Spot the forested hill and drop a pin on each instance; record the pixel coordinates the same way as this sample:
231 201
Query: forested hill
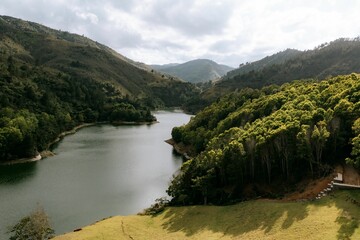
37 45
195 71
260 142
341 56
277 58
51 81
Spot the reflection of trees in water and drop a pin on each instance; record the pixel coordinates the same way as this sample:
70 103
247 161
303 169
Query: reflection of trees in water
17 173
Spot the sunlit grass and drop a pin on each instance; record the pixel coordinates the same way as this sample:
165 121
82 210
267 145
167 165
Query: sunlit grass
335 217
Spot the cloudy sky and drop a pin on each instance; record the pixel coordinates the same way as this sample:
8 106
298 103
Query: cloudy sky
166 31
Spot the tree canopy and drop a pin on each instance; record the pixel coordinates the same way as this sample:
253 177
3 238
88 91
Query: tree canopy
270 137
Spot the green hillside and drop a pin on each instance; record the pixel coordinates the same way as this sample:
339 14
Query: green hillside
277 58
195 71
262 142
52 81
339 57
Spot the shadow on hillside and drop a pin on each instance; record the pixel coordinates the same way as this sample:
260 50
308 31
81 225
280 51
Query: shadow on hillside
235 220
349 218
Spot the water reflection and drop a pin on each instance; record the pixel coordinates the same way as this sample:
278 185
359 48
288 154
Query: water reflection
100 171
17 173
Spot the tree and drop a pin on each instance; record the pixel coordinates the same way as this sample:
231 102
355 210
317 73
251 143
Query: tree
35 226
355 153
319 137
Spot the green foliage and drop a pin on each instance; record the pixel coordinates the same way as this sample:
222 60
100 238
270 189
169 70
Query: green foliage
274 136
51 81
355 160
127 112
17 130
158 207
35 226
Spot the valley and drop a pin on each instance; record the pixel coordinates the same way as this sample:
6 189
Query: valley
264 139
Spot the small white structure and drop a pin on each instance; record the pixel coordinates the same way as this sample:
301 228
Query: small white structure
339 177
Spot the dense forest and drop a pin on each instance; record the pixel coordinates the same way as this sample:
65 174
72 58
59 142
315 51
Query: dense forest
260 142
338 57
51 81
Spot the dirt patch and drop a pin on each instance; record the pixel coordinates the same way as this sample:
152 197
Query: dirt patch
181 149
309 188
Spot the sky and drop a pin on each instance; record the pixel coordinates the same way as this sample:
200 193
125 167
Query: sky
230 32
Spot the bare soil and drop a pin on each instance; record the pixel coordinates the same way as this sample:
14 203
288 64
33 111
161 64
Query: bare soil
310 188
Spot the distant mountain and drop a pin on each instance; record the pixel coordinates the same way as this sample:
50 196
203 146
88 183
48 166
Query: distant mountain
51 81
164 66
338 57
341 56
277 58
195 71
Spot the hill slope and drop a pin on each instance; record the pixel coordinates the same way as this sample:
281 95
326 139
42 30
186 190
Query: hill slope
339 57
329 218
38 45
262 142
278 58
195 71
52 81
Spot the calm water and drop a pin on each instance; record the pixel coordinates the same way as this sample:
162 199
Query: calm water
100 171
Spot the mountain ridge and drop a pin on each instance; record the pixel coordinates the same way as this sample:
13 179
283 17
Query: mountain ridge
195 71
52 81
338 57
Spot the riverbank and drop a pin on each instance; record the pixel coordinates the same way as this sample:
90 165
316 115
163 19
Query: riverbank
48 153
23 160
335 217
119 123
70 132
180 148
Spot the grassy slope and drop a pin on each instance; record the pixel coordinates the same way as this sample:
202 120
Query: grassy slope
335 217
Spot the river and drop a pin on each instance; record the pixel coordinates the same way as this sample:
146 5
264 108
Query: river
98 172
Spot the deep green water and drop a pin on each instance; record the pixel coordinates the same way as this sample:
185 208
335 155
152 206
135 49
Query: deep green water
98 172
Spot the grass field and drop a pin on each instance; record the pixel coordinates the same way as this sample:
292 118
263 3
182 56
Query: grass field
333 217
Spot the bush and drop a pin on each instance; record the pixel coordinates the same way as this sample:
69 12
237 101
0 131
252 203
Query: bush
157 207
35 226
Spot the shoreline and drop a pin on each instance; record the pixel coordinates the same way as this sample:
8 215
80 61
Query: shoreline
119 123
178 148
38 157
48 153
69 132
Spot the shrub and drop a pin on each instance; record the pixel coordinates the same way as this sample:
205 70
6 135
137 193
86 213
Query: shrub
35 226
157 207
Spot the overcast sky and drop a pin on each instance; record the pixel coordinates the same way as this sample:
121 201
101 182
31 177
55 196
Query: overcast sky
167 31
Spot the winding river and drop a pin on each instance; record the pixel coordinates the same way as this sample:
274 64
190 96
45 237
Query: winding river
98 172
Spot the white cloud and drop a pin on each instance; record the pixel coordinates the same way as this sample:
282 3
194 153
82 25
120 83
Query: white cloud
88 16
228 31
